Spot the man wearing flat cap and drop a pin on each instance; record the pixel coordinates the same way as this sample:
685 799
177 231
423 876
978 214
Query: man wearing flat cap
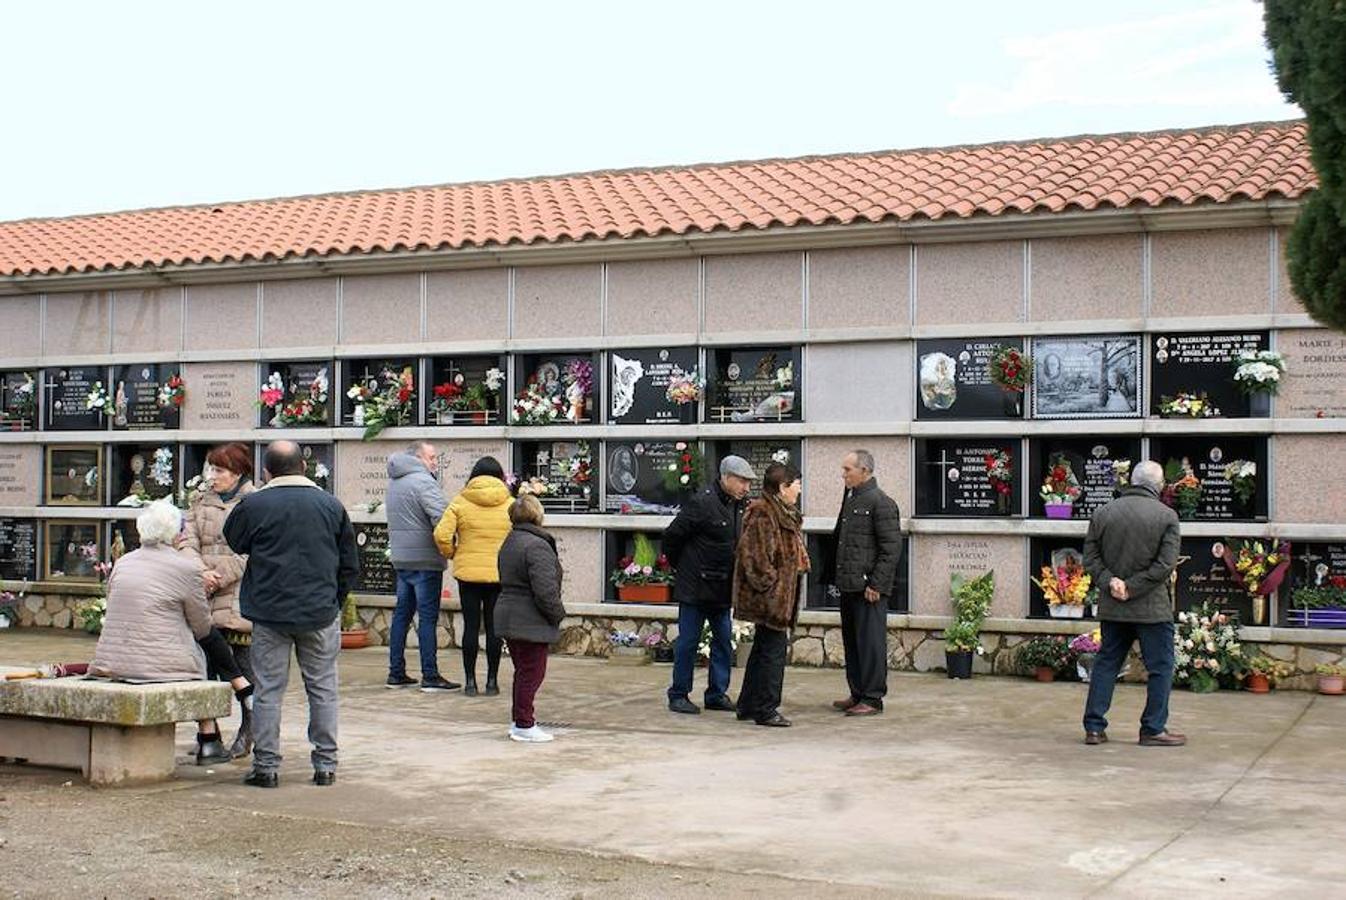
700 544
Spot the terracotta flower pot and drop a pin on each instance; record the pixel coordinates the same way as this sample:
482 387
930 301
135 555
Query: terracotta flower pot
1258 684
1331 684
1044 673
644 593
354 639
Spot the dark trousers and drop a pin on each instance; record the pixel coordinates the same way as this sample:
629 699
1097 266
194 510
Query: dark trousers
691 619
478 604
764 675
1156 650
220 661
864 634
417 594
530 667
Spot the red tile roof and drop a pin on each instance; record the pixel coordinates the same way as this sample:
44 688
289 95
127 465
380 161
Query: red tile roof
1208 165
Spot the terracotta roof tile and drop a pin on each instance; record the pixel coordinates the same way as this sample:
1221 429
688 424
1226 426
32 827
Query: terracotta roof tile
1218 164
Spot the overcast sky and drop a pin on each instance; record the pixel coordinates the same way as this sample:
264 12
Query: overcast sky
111 106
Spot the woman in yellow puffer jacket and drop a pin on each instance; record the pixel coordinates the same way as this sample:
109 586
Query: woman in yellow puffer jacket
470 533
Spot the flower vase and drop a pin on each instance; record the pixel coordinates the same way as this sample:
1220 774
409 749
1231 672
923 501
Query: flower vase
1258 684
686 413
1002 503
1066 611
1259 405
1059 510
1331 684
958 663
1259 609
1014 404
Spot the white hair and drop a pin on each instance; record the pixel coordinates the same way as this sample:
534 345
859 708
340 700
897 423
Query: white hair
159 523
1148 474
864 459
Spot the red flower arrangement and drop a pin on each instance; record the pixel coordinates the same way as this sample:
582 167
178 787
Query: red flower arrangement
1010 368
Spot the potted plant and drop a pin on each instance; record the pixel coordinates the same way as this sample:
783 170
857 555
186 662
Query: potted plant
625 648
1060 489
1263 672
1044 656
660 647
1066 587
1331 678
1010 369
1258 374
1085 647
353 634
971 603
645 576
1320 605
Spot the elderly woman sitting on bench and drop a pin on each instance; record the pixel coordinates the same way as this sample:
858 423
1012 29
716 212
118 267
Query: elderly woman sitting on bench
157 626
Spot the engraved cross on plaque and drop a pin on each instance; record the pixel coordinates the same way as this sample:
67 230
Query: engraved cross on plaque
944 464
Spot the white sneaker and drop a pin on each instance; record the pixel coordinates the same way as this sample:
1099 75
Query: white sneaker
534 735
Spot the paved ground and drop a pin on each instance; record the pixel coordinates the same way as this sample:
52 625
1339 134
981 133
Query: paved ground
974 788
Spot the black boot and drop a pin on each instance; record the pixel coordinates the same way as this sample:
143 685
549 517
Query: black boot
210 749
470 685
242 745
492 686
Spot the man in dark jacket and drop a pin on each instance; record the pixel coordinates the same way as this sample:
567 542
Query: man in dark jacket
867 547
701 543
302 561
1130 552
415 505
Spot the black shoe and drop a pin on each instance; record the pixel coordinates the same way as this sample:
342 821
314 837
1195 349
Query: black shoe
470 686
262 779
683 705
775 720
211 751
723 704
431 685
492 686
400 681
743 716
242 745
323 778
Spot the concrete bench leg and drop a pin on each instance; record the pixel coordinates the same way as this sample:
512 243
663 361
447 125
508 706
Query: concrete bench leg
121 755
61 745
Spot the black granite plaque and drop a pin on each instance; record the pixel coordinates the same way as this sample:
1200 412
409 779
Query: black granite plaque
1095 377
145 471
307 398
564 475
758 384
953 381
759 455
956 477
571 380
1202 576
1314 565
135 397
638 386
820 595
65 396
1201 363
18 401
377 575
647 476
379 377
1211 457
459 390
1094 463
71 550
75 475
18 549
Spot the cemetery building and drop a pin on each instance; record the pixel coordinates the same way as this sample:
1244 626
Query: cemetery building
801 308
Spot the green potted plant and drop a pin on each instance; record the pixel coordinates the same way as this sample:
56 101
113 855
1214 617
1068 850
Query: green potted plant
645 576
971 603
1331 678
1263 672
1044 656
353 634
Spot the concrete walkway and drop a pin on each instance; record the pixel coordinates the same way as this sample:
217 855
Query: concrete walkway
975 788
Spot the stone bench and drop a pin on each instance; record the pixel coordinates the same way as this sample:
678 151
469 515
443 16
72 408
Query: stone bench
114 733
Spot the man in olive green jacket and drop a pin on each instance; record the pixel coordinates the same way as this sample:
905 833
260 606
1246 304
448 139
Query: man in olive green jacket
1130 552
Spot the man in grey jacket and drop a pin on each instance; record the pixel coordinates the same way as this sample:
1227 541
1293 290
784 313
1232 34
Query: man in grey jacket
1130 552
415 504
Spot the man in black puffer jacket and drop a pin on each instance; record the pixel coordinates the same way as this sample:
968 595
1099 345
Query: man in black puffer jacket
701 544
302 561
868 547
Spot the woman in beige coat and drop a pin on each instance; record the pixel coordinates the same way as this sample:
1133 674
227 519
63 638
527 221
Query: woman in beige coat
226 481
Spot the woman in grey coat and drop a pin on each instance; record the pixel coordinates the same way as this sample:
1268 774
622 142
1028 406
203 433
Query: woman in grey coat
529 611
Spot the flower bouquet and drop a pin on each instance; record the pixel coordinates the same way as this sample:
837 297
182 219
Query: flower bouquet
684 474
1242 477
1060 489
1085 648
579 387
172 393
1067 588
1259 568
384 400
1207 650
21 410
535 405
307 407
1191 406
1001 476
685 387
1010 369
1182 489
1259 371
97 400
475 402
